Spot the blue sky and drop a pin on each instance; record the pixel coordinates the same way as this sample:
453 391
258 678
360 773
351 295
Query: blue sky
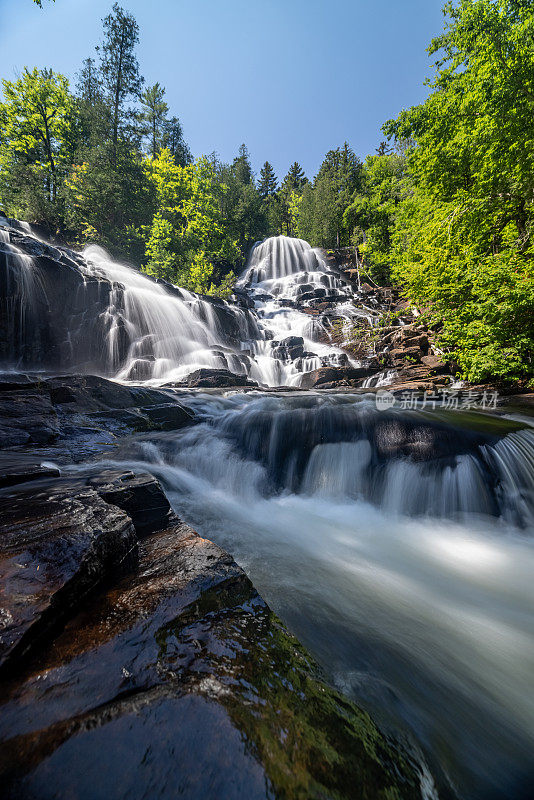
291 79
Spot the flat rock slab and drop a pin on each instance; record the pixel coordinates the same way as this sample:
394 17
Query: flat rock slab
180 682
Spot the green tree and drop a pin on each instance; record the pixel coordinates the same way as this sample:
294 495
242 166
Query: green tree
187 236
372 212
154 115
295 179
268 182
119 66
39 123
463 244
173 140
323 204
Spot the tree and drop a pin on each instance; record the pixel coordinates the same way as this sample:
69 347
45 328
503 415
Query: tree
119 65
154 115
38 138
289 199
463 243
324 203
372 212
268 182
173 140
187 235
242 167
110 198
94 111
295 179
241 207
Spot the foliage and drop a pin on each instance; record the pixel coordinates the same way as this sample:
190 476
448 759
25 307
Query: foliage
323 203
373 209
38 122
119 66
154 114
187 235
268 182
464 242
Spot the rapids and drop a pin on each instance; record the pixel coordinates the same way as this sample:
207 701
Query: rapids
396 545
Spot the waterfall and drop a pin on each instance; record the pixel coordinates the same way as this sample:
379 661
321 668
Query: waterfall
396 545
95 315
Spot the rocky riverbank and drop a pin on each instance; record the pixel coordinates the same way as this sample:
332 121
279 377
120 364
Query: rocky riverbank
136 657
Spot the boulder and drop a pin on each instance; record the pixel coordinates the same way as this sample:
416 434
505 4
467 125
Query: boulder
215 379
332 375
56 545
435 364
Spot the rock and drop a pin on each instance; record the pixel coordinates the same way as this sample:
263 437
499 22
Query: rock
215 379
11 475
435 364
181 681
56 545
26 418
399 355
332 375
139 495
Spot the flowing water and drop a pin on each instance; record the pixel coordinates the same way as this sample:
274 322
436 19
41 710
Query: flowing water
396 546
113 320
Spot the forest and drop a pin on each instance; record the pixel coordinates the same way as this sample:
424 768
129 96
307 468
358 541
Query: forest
443 209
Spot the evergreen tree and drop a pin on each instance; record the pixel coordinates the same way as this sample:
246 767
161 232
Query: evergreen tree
119 65
94 111
242 167
323 205
173 140
154 115
295 179
268 182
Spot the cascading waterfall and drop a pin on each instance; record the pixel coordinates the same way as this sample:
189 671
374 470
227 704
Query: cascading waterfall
99 316
397 547
282 271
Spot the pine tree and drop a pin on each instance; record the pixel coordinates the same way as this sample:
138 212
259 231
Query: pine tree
295 179
119 65
173 140
268 182
89 85
154 115
242 167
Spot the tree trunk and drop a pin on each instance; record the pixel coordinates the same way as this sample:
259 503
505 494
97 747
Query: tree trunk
117 98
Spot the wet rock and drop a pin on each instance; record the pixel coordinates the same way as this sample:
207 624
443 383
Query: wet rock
139 495
180 680
332 375
27 418
56 545
11 475
215 379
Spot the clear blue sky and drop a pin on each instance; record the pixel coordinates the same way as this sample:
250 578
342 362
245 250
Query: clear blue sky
290 78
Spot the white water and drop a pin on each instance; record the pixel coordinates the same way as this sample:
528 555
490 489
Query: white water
281 271
144 331
410 580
